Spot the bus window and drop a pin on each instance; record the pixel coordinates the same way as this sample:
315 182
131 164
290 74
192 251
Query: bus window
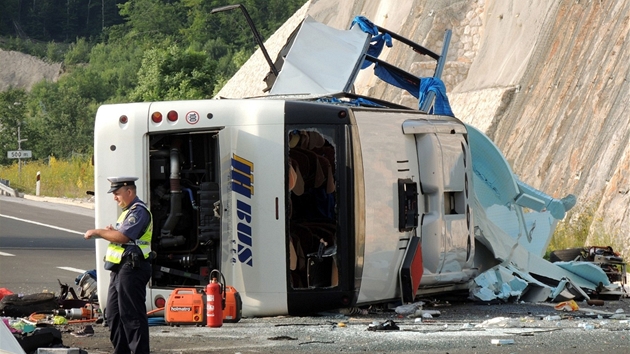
312 208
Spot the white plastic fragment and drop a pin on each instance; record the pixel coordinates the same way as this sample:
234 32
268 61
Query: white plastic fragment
586 326
502 341
409 309
619 311
433 313
552 318
495 322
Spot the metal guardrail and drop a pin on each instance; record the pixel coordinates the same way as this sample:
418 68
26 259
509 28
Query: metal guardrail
6 190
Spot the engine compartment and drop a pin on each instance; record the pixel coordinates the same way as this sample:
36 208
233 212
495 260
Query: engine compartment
185 204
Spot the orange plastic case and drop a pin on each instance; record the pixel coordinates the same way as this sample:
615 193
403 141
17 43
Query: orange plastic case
185 306
232 312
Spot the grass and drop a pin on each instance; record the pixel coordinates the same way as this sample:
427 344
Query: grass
574 230
58 178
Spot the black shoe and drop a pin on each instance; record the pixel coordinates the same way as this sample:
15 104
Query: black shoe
388 325
86 331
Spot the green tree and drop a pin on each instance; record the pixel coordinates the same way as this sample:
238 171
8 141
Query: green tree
117 65
12 114
78 52
174 74
62 118
55 52
153 18
10 13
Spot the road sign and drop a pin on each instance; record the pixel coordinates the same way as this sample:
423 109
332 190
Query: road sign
19 154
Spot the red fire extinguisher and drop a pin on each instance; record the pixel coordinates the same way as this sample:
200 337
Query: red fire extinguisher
214 301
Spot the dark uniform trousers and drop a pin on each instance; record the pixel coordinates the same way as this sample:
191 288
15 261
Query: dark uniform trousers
126 312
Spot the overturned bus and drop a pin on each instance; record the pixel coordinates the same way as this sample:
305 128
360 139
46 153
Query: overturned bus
311 197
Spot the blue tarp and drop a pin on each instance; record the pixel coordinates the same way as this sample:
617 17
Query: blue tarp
356 102
395 79
441 105
378 40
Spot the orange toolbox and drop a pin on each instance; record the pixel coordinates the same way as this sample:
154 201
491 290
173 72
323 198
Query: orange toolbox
232 312
185 306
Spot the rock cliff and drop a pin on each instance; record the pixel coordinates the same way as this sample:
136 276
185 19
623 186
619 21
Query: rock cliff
546 80
19 70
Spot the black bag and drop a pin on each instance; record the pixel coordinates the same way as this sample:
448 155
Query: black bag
319 266
13 305
47 337
319 271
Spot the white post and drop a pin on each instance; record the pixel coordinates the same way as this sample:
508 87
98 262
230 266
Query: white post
37 184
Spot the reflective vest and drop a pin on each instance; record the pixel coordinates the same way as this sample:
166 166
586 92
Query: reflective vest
115 251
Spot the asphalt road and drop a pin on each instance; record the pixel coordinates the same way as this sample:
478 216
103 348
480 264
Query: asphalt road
462 328
41 244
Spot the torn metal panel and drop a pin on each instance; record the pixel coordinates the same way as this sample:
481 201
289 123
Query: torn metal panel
532 230
560 293
505 282
536 291
322 60
498 283
508 250
492 168
512 236
569 289
536 200
587 270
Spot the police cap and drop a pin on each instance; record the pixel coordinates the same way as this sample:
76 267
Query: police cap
117 182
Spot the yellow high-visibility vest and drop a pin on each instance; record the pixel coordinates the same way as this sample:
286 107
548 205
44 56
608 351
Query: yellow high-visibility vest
115 250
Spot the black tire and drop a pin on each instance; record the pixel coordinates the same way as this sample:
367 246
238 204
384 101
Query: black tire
565 255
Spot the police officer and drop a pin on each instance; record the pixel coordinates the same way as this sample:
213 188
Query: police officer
127 258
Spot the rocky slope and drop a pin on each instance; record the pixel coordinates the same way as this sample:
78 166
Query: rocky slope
546 80
19 70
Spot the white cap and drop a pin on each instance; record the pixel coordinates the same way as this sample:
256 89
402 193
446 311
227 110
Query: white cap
117 182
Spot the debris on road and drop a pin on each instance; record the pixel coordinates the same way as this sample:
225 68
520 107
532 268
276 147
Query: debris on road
388 325
502 341
570 305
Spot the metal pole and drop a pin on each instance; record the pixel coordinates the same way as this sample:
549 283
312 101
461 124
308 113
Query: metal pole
257 35
430 99
19 159
20 140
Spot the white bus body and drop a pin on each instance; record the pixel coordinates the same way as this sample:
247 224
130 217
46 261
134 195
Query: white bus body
307 204
227 169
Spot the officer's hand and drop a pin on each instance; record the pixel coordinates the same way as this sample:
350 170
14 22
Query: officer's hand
89 234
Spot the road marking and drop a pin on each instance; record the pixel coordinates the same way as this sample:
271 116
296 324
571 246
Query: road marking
7 254
77 270
41 224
